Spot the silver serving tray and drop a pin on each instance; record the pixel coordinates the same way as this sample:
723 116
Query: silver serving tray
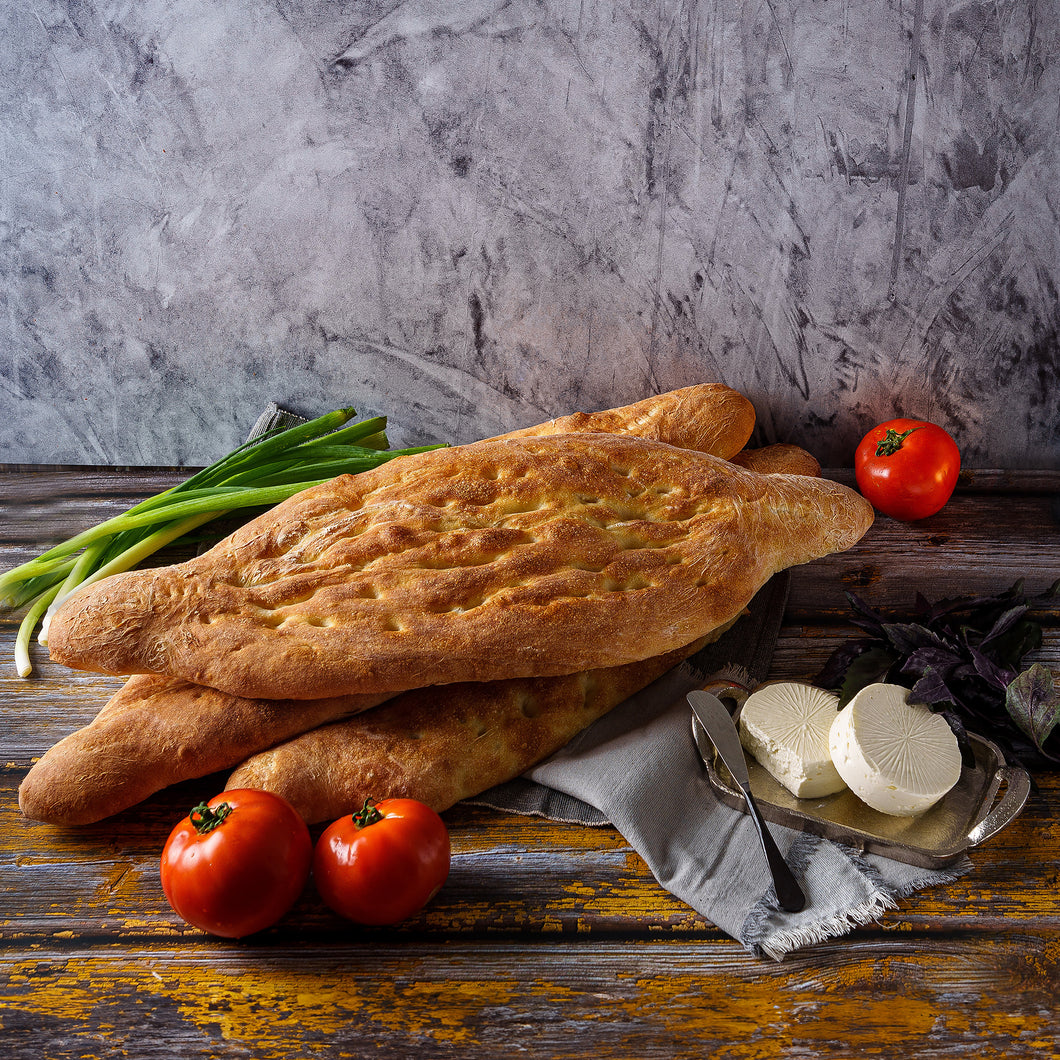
964 818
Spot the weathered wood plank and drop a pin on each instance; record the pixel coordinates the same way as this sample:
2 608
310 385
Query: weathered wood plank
956 552
510 875
879 996
39 509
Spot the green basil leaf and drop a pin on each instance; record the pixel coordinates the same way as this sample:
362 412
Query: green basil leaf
868 668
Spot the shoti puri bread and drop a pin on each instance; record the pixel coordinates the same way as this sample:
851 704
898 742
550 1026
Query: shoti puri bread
448 743
778 459
441 745
708 417
157 731
528 557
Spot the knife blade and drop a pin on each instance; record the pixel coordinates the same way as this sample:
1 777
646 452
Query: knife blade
719 726
714 721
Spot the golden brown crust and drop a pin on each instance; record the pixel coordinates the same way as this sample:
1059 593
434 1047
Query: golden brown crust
441 745
708 418
779 459
157 731
518 558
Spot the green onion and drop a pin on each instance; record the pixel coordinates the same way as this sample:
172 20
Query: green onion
257 474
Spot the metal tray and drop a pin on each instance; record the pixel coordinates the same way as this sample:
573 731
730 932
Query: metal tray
965 817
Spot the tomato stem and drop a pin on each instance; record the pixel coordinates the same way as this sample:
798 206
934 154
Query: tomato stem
206 818
891 442
367 814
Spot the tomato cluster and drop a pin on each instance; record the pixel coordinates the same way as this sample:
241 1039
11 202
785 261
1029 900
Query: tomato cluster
238 863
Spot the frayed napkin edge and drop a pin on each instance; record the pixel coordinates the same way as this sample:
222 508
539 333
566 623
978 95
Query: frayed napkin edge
782 942
785 941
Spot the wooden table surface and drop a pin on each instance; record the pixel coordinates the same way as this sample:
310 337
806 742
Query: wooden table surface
548 940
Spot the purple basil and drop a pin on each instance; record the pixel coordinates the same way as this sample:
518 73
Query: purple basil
964 658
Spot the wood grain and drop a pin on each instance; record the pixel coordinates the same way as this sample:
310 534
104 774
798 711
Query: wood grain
889 996
548 940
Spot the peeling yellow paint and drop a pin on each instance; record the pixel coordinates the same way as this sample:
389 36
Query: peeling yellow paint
438 1012
581 889
274 1010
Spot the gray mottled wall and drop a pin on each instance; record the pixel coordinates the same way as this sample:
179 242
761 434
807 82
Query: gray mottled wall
472 215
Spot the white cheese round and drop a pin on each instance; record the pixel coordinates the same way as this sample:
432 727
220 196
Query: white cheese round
896 756
785 726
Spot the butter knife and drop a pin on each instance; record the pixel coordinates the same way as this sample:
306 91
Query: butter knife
714 721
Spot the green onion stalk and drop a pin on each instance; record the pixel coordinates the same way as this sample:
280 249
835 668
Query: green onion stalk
260 473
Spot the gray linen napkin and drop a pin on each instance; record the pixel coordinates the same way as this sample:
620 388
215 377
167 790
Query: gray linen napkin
638 770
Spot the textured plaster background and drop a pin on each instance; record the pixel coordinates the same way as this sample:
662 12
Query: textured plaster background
472 215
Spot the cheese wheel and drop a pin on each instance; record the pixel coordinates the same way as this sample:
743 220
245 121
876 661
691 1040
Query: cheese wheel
785 726
896 756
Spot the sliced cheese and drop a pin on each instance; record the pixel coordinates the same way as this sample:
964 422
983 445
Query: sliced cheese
896 756
785 726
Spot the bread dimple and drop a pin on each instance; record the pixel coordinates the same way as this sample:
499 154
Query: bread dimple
525 557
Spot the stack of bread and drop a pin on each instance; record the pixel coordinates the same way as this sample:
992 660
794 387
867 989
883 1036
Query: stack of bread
437 625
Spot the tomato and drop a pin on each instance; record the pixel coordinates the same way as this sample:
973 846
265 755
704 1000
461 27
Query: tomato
907 468
237 863
384 863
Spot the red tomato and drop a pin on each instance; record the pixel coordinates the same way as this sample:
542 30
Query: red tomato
907 468
383 863
237 863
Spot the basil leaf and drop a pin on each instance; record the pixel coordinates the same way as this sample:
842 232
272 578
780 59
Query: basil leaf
864 617
907 637
867 669
1010 647
841 659
931 689
928 658
961 654
1033 701
987 669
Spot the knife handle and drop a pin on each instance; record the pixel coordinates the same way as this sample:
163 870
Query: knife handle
790 896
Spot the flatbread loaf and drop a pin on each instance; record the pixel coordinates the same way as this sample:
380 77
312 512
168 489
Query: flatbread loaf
517 558
778 459
707 418
441 745
156 731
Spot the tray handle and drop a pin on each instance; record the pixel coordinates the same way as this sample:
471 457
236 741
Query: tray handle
727 689
1018 789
